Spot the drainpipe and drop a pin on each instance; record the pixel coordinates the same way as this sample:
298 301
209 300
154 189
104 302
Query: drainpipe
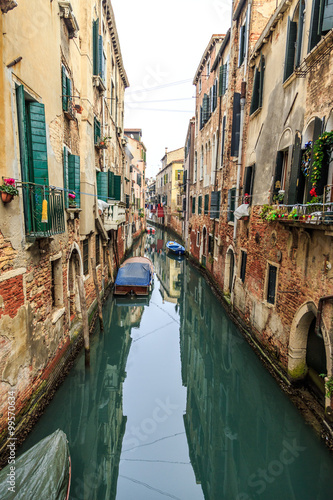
239 162
320 311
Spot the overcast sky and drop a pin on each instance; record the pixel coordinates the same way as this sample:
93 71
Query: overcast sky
162 44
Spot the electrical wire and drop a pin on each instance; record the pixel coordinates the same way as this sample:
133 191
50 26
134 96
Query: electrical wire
172 84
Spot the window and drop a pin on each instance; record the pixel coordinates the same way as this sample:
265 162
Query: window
97 250
258 86
235 135
223 139
321 21
248 183
201 162
206 210
102 185
294 41
215 205
198 238
56 283
223 80
208 68
231 204
96 47
242 44
66 90
199 205
271 284
193 205
205 109
243 266
210 244
195 167
97 131
85 253
280 172
200 85
74 179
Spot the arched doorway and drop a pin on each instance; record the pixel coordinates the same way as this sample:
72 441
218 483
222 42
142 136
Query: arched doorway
75 268
309 352
229 270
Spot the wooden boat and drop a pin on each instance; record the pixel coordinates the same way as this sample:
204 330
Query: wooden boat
175 248
135 277
44 471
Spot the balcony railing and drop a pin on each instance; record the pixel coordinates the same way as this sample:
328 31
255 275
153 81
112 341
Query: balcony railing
53 215
313 213
114 215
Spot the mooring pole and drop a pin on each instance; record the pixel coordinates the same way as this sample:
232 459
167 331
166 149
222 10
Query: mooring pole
84 314
99 302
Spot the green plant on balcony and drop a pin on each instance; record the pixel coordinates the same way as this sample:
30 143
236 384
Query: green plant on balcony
102 143
328 385
8 190
321 152
264 211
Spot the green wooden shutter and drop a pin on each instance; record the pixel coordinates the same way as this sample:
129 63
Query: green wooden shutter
100 57
278 173
95 47
255 92
36 117
215 205
328 16
290 49
241 45
74 177
97 130
223 139
199 205
299 33
24 157
193 205
64 89
261 80
69 91
314 36
224 81
206 208
235 136
117 187
66 180
205 114
111 184
231 204
221 81
102 186
295 171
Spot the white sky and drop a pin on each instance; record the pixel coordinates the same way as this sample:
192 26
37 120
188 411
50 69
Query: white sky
162 44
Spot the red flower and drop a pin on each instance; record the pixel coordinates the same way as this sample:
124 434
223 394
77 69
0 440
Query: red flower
313 192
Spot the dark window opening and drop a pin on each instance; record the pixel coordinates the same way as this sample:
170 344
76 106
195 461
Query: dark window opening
271 286
243 266
85 256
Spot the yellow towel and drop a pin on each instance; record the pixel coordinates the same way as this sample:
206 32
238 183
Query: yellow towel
44 211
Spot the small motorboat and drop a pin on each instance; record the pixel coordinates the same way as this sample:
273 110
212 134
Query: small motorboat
44 471
135 277
175 248
150 230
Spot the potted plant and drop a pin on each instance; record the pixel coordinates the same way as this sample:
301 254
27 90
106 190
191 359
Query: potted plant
102 144
8 190
71 200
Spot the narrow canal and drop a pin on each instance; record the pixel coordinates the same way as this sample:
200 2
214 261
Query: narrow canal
177 405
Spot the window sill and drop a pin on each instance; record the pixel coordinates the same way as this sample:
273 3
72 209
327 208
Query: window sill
231 223
268 304
289 80
58 313
255 113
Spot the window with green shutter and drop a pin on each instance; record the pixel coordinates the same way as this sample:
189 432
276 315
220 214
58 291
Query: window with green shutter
65 173
96 47
242 44
235 133
258 86
111 184
74 177
231 204
321 21
206 208
289 63
193 205
199 205
97 131
117 187
102 186
215 204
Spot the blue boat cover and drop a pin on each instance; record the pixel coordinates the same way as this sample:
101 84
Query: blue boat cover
134 274
175 247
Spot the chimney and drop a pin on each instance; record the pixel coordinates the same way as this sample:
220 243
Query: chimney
166 151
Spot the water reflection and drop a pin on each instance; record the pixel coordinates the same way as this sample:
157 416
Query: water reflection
206 420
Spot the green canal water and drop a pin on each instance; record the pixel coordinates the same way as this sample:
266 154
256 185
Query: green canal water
176 405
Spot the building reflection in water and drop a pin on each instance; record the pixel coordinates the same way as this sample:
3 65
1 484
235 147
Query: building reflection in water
245 438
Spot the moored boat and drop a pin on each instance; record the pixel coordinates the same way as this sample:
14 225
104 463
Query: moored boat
150 230
135 276
44 471
175 248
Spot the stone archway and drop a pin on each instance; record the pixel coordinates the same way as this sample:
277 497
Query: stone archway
304 317
74 268
229 271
